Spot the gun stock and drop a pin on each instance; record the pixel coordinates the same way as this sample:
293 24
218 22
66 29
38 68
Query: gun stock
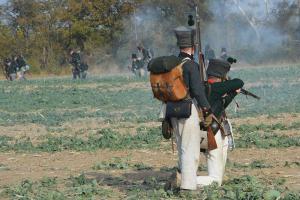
211 141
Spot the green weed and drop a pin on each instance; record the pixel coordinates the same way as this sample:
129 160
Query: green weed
242 188
120 164
266 140
47 189
55 101
80 187
247 128
256 164
115 163
291 164
3 167
104 139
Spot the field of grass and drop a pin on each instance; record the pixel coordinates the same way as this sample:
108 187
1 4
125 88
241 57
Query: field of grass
100 139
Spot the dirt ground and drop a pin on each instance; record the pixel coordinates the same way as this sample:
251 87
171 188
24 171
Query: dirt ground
15 167
63 164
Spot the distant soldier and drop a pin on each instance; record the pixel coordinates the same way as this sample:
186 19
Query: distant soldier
10 69
22 67
136 65
83 70
209 53
75 61
145 55
224 55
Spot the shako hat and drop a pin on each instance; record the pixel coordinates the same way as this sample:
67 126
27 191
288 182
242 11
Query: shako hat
185 36
231 60
218 68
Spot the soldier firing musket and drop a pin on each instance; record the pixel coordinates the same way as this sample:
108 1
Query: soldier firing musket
243 91
220 94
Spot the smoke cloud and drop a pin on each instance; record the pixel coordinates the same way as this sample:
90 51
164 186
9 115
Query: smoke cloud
246 28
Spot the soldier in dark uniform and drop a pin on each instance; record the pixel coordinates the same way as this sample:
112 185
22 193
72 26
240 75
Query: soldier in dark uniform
187 130
75 61
209 53
136 65
144 55
224 53
221 94
22 67
10 69
83 70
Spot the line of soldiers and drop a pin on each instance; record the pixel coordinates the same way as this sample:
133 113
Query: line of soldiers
209 53
140 60
15 68
79 66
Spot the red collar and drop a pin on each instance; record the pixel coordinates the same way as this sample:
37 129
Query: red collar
211 81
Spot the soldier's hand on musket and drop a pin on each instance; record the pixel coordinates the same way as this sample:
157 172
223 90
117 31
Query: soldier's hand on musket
238 90
208 120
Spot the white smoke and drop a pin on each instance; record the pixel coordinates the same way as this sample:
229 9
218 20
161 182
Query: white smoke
244 28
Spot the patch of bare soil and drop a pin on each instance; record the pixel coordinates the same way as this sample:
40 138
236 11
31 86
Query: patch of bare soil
277 158
92 125
283 118
20 130
290 133
64 164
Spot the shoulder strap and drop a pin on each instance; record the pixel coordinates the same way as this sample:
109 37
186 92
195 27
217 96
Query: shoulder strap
185 59
208 88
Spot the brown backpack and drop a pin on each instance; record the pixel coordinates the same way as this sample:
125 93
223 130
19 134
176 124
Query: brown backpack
169 86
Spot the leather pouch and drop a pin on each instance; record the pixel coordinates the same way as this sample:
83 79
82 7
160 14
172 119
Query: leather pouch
179 109
167 129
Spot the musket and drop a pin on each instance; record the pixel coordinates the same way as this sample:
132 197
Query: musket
198 45
210 135
247 93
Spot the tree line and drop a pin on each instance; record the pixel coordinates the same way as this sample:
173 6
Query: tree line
45 31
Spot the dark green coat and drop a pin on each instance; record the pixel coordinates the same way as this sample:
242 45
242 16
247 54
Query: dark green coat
75 60
218 98
20 62
10 67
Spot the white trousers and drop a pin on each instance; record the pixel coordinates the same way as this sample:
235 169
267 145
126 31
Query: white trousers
21 75
216 161
188 135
